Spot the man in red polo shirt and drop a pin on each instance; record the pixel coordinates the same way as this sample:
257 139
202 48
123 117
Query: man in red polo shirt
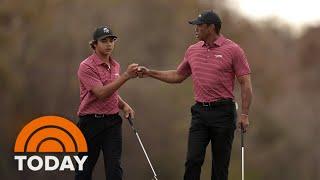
213 64
100 78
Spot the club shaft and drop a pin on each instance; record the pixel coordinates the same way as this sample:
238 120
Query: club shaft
142 146
145 153
242 163
242 153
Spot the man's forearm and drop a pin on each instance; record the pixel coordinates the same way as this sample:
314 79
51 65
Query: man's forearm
170 76
246 97
121 103
107 90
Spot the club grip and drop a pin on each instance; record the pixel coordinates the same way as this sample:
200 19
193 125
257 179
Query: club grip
131 124
130 121
242 128
242 136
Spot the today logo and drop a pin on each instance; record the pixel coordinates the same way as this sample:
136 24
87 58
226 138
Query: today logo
50 134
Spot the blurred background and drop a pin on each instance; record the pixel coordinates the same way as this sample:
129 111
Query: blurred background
42 43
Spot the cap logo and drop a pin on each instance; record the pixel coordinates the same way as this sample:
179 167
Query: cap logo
106 30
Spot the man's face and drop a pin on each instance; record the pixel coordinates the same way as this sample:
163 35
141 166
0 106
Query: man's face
203 31
105 46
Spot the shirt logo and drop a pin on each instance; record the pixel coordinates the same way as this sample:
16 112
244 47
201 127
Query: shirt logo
218 56
106 30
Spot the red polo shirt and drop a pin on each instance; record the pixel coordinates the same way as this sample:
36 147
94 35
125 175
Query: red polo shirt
93 73
213 69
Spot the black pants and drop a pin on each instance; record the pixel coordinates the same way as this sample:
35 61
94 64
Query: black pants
102 133
217 124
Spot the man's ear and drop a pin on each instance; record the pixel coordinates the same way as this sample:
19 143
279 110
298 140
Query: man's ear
95 43
212 28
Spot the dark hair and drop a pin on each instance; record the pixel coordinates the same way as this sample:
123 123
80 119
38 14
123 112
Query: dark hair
217 27
92 44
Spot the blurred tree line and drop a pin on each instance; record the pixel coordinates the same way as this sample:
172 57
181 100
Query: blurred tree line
43 42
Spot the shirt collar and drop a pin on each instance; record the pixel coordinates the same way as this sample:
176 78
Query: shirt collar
218 42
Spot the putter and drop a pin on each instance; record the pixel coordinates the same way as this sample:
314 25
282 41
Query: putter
242 147
242 152
145 153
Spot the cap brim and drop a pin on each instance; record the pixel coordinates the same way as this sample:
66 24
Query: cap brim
195 22
102 37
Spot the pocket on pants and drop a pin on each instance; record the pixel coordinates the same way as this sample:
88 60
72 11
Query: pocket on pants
82 123
90 127
196 117
222 116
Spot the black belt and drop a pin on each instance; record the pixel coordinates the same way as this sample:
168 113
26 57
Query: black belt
98 116
216 103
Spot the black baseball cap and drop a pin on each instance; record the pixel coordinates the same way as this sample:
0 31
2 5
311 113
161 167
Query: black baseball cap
103 32
207 17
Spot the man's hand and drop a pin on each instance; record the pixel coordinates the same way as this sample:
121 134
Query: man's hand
243 122
132 71
128 111
143 72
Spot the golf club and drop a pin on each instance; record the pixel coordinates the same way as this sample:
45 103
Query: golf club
242 147
242 152
145 153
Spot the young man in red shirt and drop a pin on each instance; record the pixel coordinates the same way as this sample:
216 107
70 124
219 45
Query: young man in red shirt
100 78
